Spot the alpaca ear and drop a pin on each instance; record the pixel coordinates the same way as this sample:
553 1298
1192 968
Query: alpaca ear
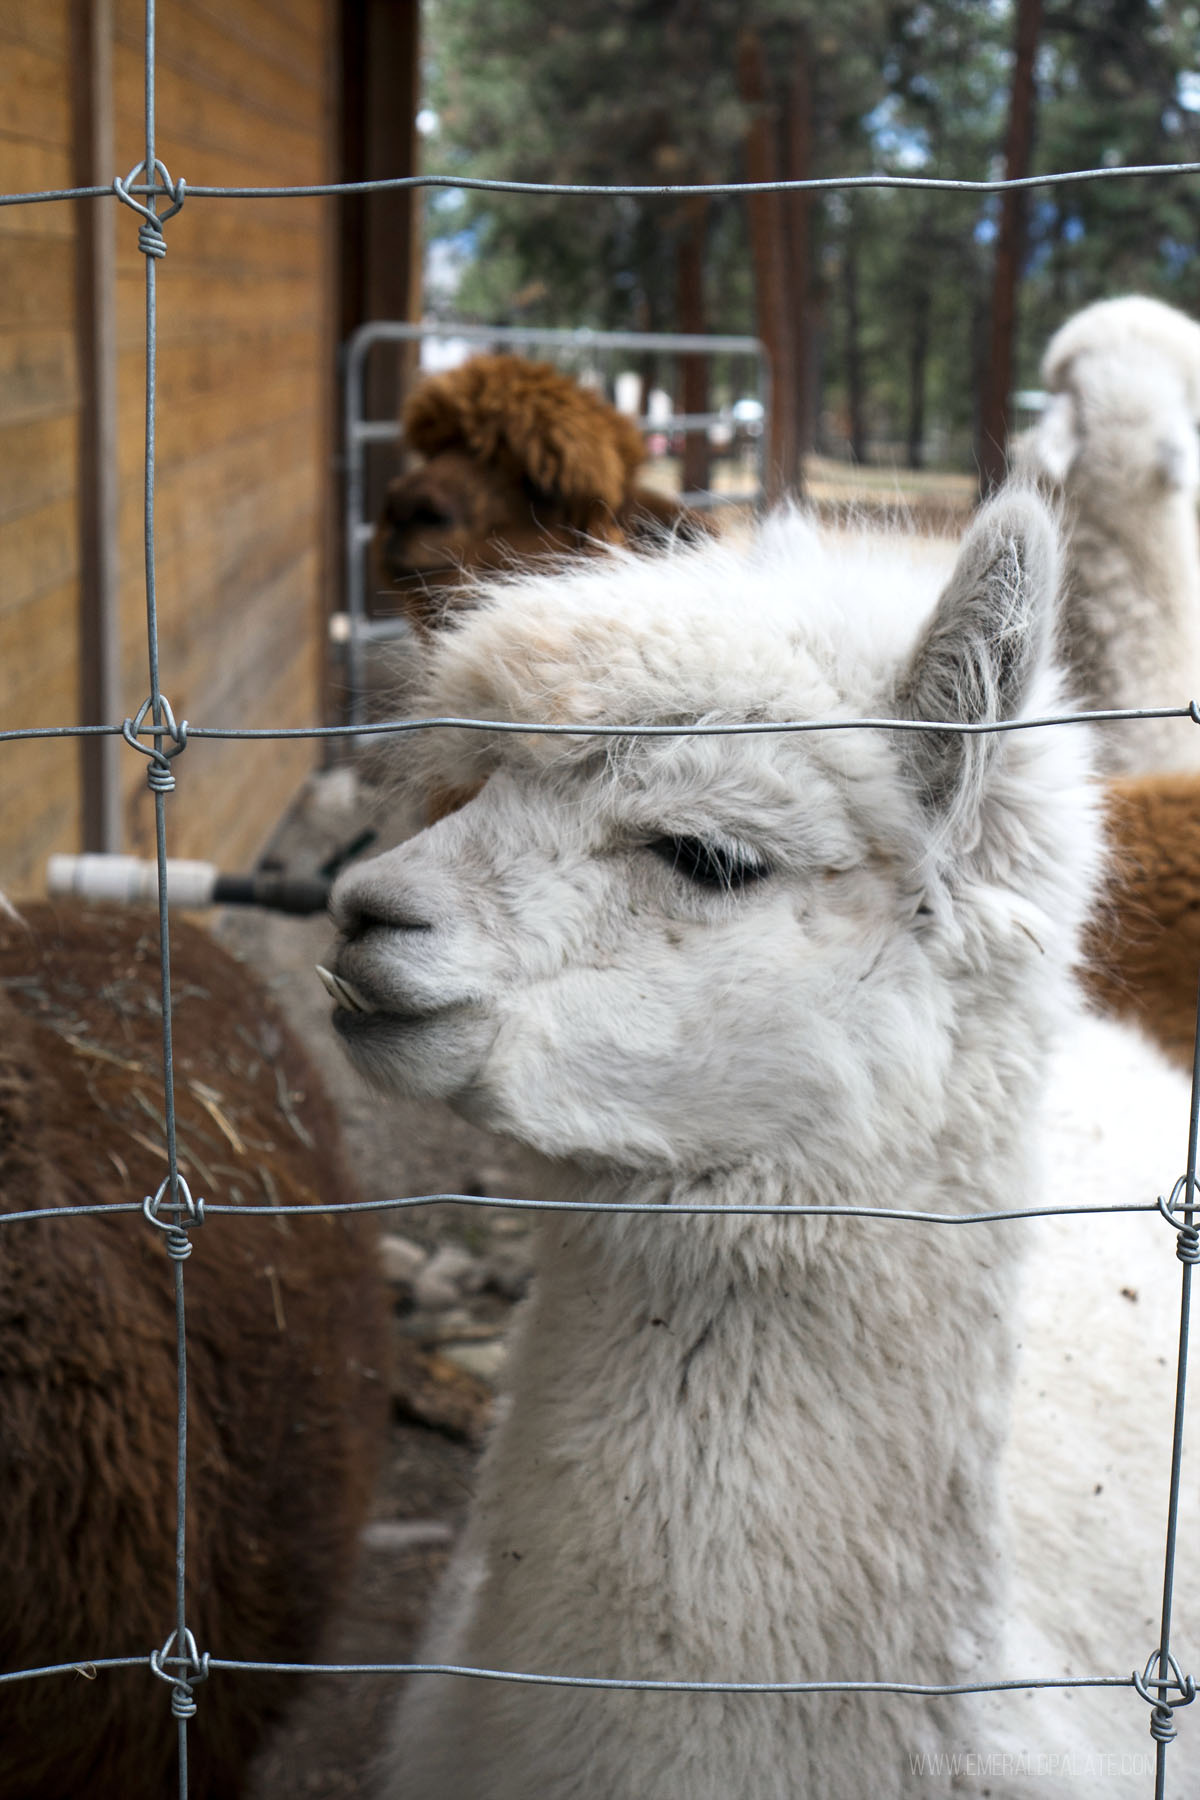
1056 438
989 637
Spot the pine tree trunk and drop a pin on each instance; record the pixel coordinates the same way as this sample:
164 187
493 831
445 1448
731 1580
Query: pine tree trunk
769 257
1010 247
693 317
799 157
918 364
852 340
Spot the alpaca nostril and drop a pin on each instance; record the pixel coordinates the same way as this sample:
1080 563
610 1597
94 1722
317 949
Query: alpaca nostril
404 511
430 518
392 918
357 914
408 924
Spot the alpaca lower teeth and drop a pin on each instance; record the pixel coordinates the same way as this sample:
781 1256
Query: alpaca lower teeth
341 990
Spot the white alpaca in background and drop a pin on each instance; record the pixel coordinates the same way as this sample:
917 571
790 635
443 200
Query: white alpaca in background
823 968
1118 443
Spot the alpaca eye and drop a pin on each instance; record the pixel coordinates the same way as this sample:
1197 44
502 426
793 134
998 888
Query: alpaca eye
715 865
430 516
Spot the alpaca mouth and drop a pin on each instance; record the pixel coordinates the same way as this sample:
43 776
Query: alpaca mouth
355 1014
344 993
432 1052
406 576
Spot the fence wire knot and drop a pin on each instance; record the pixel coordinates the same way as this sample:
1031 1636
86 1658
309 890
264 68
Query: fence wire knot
1187 1247
1194 711
151 241
158 775
1162 1724
193 1669
186 1210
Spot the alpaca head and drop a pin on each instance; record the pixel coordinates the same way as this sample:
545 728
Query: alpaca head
520 464
456 518
1124 381
685 953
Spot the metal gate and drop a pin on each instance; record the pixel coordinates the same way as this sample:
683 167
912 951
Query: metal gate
352 632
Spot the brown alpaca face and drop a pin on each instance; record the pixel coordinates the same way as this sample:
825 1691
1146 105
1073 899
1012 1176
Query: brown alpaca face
454 517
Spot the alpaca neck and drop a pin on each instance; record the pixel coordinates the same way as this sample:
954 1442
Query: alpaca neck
823 1437
1133 622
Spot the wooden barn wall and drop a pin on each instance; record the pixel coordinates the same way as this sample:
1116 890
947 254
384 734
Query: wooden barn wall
39 416
244 395
244 366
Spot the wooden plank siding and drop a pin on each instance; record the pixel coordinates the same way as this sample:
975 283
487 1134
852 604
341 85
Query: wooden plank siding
39 412
244 354
246 95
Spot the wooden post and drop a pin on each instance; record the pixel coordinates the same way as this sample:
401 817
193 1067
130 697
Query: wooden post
377 239
329 426
380 260
95 324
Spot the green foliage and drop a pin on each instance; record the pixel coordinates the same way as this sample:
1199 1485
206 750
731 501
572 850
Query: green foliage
1109 89
627 91
646 91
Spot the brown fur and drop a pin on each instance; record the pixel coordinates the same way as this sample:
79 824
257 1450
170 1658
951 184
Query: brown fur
521 463
1143 947
285 1340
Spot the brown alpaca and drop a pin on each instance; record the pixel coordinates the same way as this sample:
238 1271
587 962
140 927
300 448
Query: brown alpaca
520 463
285 1341
1144 947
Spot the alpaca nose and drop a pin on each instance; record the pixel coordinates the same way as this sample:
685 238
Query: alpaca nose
361 903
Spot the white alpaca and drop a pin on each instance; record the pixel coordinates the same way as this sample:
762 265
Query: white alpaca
1118 441
813 968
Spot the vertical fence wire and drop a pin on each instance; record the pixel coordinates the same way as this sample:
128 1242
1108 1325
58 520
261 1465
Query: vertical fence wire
1188 1251
177 1242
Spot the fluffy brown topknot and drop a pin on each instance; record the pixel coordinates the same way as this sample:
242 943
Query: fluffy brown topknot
536 422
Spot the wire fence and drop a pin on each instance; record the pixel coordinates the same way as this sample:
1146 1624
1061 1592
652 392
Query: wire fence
154 732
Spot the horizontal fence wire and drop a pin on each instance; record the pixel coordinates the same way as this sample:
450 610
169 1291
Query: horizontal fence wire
630 191
684 1209
1161 1683
626 1684
538 728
